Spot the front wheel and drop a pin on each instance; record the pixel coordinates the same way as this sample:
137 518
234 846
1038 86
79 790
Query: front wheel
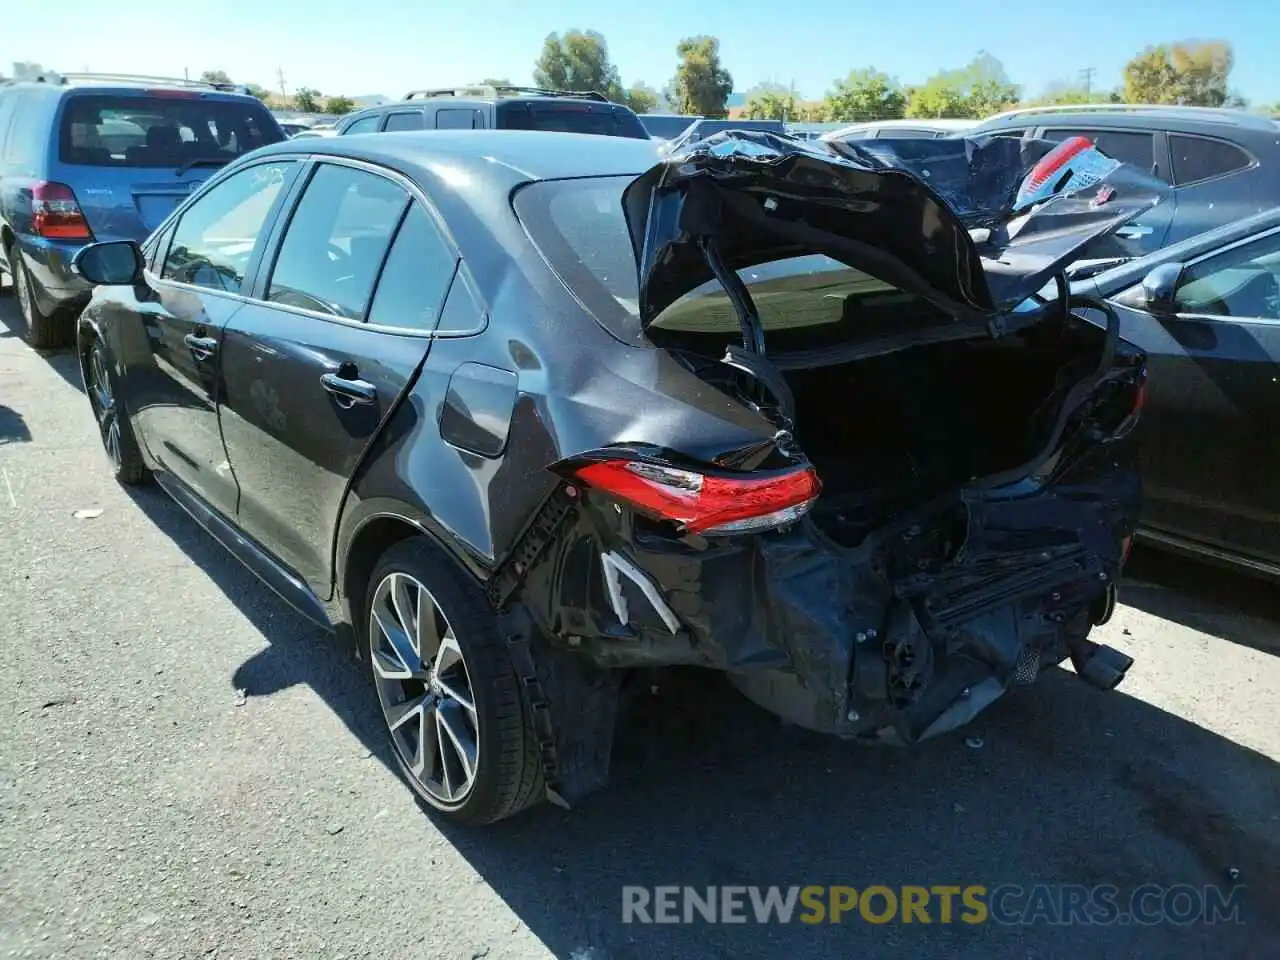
447 689
114 428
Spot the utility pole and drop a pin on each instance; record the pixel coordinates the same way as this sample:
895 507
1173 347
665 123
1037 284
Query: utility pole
283 91
1087 76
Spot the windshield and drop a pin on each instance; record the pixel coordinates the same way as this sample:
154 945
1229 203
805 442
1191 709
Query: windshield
169 131
579 227
572 117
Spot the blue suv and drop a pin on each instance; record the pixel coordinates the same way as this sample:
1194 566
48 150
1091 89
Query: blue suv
88 157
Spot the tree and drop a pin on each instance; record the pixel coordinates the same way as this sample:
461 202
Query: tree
770 101
262 93
701 85
578 61
1194 73
642 98
306 100
976 90
339 105
865 94
215 76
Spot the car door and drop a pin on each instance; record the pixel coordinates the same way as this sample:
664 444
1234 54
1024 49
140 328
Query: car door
194 292
1207 439
1212 188
340 323
1143 149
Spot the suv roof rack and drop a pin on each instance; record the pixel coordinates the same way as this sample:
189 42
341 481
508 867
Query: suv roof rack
1210 114
142 78
499 90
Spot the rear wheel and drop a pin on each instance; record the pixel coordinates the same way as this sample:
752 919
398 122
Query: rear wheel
44 330
447 688
113 426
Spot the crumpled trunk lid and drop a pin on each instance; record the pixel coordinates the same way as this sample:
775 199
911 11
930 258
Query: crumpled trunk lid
973 225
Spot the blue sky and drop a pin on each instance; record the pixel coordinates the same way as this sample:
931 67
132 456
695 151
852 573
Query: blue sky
390 46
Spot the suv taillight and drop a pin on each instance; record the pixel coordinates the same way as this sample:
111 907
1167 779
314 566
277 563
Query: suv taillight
709 504
56 214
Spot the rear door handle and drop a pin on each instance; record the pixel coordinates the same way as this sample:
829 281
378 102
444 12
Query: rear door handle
202 348
349 392
1134 231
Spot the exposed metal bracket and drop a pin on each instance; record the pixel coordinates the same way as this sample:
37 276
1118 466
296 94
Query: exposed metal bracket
614 563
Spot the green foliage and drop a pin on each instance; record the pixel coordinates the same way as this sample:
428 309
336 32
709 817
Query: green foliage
215 76
260 92
339 105
578 61
642 98
770 101
1193 74
701 85
307 100
865 94
976 90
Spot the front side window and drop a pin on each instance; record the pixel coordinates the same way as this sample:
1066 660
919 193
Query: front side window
1127 146
410 120
336 241
1244 283
1200 158
413 283
216 237
364 125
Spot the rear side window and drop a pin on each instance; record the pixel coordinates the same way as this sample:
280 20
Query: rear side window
570 117
1199 158
1127 146
452 118
146 131
416 277
406 120
214 241
336 241
364 125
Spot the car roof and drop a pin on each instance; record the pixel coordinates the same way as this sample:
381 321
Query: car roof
113 84
1154 116
504 157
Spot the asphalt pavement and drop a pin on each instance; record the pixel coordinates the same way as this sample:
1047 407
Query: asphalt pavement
188 769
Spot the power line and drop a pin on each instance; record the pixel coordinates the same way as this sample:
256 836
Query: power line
1086 75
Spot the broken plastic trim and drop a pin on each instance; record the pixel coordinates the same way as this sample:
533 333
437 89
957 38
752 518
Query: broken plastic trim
613 564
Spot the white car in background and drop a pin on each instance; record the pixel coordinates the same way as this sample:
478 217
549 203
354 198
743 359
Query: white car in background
920 129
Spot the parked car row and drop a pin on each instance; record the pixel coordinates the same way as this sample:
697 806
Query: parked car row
528 409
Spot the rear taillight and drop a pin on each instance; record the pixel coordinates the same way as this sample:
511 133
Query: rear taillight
710 504
56 214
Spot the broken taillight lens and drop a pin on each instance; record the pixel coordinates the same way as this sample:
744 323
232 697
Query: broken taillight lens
710 504
56 214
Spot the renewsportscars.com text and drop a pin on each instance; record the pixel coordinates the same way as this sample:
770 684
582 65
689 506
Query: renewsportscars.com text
1006 904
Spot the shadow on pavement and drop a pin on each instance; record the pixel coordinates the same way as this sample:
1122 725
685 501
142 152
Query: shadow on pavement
1221 602
1067 786
62 360
13 428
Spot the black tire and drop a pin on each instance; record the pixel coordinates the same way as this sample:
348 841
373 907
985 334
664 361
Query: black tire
507 773
45 331
114 430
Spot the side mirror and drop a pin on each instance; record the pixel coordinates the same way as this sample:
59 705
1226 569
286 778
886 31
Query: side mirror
1160 288
113 263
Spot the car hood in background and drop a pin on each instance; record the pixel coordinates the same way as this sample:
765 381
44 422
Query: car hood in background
974 225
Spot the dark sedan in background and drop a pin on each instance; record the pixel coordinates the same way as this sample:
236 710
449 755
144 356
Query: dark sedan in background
1207 314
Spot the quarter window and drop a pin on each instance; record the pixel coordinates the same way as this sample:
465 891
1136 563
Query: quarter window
1237 283
416 277
1199 158
215 240
364 125
411 120
336 242
452 118
1127 146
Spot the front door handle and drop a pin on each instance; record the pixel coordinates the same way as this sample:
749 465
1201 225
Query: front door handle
201 348
349 391
1134 231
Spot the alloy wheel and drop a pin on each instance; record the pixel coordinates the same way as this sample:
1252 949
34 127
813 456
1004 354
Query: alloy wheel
424 689
104 406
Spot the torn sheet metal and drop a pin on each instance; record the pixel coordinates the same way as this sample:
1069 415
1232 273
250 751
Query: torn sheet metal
902 211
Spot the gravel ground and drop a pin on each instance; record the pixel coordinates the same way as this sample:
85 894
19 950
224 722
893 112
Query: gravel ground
188 769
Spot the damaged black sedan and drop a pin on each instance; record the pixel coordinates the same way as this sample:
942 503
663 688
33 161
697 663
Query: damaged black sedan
527 412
